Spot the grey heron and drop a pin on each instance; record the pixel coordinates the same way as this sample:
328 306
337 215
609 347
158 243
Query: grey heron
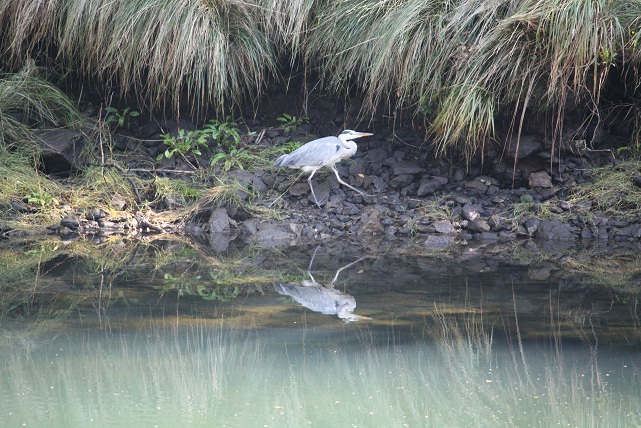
322 152
319 298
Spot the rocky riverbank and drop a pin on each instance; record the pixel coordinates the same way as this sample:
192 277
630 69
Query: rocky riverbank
548 193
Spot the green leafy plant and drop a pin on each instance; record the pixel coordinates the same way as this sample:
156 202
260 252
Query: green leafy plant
195 287
290 123
183 144
287 147
42 199
225 133
238 158
114 117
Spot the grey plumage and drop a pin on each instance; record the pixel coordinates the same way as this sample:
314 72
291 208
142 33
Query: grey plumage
322 152
324 299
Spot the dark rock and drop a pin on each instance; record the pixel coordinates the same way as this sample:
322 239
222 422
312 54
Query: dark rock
463 200
492 190
21 208
247 179
471 212
219 221
297 189
401 181
88 227
565 206
61 150
355 169
106 224
540 179
632 231
506 236
70 221
476 186
387 221
531 225
406 167
438 241
497 223
377 155
370 223
585 233
118 202
602 233
554 230
478 225
95 214
410 189
378 183
539 273
321 190
527 145
273 234
617 222
488 236
249 227
430 186
548 193
444 227
219 242
459 174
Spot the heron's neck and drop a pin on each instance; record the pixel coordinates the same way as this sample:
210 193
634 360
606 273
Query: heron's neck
347 143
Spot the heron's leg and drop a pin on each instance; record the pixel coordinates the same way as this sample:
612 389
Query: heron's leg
309 180
289 187
338 272
360 192
311 262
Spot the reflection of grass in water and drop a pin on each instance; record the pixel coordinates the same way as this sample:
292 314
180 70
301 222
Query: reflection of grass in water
199 375
617 267
36 279
619 271
514 387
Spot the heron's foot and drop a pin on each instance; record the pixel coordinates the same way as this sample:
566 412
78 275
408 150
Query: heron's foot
318 203
365 194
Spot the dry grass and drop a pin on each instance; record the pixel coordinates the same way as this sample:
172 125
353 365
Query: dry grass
612 191
459 64
213 51
27 100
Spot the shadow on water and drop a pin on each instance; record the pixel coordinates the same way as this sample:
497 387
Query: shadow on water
169 334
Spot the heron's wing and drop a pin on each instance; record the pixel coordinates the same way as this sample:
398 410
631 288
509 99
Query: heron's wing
323 151
317 298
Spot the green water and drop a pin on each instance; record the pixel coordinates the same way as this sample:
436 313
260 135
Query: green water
193 342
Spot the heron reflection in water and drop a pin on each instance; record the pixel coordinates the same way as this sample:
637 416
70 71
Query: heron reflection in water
324 299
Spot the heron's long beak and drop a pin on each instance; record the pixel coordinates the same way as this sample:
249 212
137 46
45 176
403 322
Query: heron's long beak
362 134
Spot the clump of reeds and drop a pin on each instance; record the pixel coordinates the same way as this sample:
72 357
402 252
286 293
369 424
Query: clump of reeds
213 51
28 101
462 65
465 62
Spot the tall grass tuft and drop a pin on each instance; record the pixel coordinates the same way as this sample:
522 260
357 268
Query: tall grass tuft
459 64
28 100
213 51
463 63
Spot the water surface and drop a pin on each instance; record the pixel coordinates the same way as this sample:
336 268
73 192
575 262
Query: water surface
176 337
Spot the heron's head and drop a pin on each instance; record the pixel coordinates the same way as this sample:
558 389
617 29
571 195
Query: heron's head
348 134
